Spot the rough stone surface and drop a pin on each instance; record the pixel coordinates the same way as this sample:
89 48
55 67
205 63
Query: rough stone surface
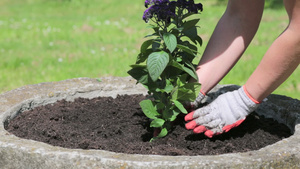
21 153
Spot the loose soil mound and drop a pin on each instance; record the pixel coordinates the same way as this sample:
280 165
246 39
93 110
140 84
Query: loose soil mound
119 125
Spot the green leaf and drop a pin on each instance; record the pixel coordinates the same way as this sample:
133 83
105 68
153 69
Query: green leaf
172 72
178 59
170 41
154 34
166 88
191 33
191 46
175 113
157 123
140 73
143 56
179 106
146 45
189 24
182 80
187 15
190 65
156 63
189 71
163 133
175 31
187 92
138 66
155 28
199 40
186 49
170 115
149 109
169 86
193 91
156 44
159 106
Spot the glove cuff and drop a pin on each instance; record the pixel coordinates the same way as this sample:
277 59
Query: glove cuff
199 97
246 103
250 97
202 93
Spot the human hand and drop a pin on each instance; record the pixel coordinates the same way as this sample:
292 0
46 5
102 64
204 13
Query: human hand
226 112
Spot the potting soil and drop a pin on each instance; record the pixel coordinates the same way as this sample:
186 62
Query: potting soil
119 125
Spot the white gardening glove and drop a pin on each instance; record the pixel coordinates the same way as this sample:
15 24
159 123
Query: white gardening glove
226 112
194 105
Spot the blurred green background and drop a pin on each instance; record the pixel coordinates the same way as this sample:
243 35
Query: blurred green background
53 40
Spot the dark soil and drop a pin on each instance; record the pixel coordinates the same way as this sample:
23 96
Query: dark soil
119 125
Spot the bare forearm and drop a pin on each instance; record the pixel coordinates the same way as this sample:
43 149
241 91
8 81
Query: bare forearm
282 58
231 37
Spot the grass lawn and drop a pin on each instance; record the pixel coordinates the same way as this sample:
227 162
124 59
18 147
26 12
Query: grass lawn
43 40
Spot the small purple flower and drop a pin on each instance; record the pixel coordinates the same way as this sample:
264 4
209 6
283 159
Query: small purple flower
147 15
192 7
147 2
156 2
164 10
189 5
182 3
172 7
199 6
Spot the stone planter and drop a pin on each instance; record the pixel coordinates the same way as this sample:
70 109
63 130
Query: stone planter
21 153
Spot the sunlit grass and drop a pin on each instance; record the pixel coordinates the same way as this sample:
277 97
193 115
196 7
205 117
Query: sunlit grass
56 40
44 40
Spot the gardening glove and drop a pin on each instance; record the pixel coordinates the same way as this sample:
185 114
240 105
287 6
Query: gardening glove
226 112
194 105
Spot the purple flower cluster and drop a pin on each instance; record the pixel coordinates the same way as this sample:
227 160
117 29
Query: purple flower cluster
165 9
190 5
162 11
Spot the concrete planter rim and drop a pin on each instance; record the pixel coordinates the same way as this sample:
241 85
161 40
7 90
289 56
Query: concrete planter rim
37 154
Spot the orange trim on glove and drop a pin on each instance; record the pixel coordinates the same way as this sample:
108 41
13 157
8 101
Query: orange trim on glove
202 92
250 97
